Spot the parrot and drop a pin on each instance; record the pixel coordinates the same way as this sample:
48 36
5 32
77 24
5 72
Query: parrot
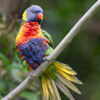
33 45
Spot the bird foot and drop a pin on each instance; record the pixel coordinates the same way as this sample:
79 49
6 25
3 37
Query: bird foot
46 58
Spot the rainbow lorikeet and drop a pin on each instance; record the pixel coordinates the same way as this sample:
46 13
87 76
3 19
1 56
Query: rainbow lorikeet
33 45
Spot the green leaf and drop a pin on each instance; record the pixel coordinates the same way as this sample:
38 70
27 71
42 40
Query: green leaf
1 97
4 59
3 86
28 95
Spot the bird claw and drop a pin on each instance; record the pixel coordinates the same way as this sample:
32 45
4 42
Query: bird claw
46 58
31 75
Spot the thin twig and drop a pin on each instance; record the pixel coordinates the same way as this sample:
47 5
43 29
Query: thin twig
64 43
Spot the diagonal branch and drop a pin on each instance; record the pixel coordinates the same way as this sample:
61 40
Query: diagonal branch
64 43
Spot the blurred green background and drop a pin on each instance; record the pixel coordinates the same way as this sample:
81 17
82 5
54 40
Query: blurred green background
83 53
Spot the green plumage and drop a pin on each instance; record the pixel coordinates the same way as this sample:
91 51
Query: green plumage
50 70
48 36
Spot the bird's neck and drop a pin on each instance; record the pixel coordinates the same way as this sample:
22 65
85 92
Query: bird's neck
30 28
28 31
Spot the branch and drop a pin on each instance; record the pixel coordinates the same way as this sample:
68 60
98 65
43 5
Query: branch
64 43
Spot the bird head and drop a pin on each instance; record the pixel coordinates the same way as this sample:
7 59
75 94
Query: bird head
33 13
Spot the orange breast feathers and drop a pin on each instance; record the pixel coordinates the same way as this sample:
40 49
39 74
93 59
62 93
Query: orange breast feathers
28 31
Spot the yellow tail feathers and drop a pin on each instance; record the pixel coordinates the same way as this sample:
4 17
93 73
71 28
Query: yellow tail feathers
65 75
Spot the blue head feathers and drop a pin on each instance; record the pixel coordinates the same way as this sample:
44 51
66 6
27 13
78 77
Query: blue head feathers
34 8
33 13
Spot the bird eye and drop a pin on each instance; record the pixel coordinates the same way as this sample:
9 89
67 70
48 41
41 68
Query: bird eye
32 11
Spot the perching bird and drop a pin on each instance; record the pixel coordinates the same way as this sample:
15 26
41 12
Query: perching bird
33 45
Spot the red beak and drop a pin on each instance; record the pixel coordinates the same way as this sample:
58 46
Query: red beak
39 16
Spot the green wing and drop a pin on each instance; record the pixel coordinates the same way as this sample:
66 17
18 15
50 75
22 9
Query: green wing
48 36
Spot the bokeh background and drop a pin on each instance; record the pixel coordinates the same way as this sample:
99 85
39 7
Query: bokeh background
83 53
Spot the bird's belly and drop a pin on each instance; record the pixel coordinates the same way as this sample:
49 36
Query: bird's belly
33 52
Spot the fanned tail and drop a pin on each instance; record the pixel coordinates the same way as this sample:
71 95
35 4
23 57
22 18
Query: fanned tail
61 75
